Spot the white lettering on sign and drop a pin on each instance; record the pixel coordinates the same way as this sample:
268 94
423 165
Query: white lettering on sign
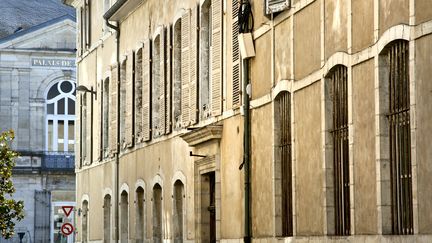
43 62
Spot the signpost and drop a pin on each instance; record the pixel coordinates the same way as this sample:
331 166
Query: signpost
67 228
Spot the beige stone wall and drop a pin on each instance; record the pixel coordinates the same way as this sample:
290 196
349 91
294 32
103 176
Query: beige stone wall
423 127
309 166
304 41
364 148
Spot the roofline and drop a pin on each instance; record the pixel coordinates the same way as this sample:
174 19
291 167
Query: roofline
37 27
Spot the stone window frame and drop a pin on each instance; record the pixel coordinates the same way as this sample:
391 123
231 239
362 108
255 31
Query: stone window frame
124 189
85 208
59 117
381 134
140 184
179 176
108 192
123 96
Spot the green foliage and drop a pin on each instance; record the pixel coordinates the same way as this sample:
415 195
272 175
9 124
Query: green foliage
10 210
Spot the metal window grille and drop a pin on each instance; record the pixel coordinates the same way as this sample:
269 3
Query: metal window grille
339 83
283 103
399 136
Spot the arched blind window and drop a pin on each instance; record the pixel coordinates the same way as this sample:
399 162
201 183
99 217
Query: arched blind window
60 116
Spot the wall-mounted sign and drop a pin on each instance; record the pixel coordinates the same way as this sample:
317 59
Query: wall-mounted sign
44 62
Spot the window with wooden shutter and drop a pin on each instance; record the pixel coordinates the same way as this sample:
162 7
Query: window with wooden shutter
155 85
138 94
129 86
204 60
185 65
99 120
122 104
236 85
106 116
168 124
88 24
274 6
78 135
113 110
216 57
177 75
84 127
146 94
193 82
162 83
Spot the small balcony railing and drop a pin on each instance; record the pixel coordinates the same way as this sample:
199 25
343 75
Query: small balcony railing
64 161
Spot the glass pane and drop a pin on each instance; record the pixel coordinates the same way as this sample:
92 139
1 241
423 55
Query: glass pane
71 142
66 87
60 136
53 92
61 106
71 107
50 135
50 108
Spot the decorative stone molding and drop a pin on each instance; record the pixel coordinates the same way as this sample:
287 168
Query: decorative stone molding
204 134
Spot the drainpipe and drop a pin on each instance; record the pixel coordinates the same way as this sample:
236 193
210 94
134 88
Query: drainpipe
246 152
116 27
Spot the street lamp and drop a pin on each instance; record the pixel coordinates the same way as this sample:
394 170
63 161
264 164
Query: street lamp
82 88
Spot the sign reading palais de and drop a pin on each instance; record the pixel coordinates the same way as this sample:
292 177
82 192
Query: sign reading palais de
43 62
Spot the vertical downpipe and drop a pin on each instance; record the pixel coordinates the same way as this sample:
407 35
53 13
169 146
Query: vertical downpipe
246 152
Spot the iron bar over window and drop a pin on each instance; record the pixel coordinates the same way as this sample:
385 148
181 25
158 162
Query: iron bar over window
400 142
283 109
339 82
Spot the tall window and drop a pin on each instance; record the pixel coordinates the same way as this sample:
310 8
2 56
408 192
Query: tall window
107 218
105 116
283 165
122 101
60 118
177 75
398 116
140 219
157 213
178 211
155 83
84 221
124 217
138 94
205 43
337 86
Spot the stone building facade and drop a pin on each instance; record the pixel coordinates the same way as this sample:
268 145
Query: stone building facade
340 108
37 92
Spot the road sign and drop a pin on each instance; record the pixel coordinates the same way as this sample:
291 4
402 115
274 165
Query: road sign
67 229
67 210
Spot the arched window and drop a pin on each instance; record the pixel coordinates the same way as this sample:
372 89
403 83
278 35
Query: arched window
107 218
84 222
178 211
140 216
124 217
283 165
60 116
157 213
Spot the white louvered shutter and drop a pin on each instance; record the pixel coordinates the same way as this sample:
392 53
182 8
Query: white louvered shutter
138 94
113 110
162 84
146 92
216 57
236 85
185 66
168 118
129 100
193 82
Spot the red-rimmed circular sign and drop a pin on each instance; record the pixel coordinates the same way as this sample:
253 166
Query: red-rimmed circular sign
67 229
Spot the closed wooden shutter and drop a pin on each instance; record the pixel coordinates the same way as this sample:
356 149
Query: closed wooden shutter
162 84
88 23
193 82
185 65
236 86
42 214
129 99
99 119
138 94
146 94
169 50
113 110
80 31
216 57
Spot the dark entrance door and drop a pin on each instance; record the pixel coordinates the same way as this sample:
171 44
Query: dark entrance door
208 208
212 207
